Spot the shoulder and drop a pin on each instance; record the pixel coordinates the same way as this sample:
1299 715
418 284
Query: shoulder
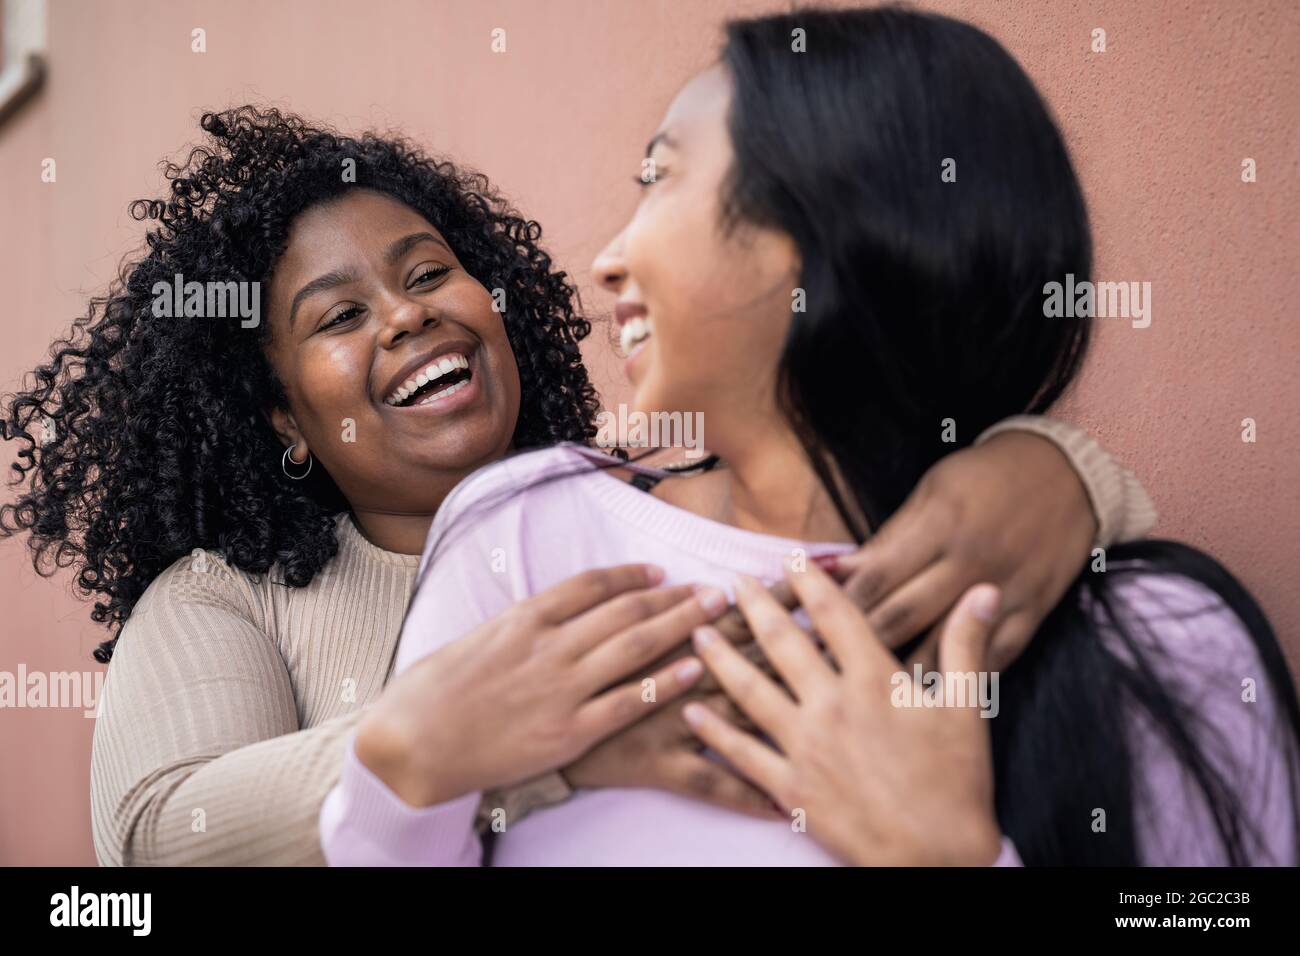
519 472
202 578
197 617
1187 622
1225 700
543 482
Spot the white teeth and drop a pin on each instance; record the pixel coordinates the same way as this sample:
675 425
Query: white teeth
439 396
433 371
634 332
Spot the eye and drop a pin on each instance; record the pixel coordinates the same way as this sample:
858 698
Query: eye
430 272
647 183
343 315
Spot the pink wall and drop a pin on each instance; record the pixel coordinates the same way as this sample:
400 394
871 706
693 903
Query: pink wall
1159 125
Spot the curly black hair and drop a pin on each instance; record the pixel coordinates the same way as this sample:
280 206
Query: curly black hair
154 439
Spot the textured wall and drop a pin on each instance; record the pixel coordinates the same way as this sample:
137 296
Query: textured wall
1159 125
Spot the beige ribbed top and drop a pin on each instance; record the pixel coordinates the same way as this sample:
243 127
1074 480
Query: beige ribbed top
230 700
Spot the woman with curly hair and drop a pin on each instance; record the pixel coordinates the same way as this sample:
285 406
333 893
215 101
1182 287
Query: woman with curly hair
249 500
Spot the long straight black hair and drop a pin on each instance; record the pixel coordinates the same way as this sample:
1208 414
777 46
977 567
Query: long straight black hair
932 198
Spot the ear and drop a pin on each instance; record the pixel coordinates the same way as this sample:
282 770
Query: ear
285 427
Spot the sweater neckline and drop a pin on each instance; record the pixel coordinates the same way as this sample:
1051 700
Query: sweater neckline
350 537
748 552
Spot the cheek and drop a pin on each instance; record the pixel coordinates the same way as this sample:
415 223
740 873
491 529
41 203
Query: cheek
332 375
507 369
476 308
330 402
491 330
687 270
671 252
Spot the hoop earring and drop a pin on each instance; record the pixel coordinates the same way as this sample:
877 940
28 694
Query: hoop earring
284 464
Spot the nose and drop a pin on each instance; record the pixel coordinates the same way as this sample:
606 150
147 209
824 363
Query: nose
403 316
609 267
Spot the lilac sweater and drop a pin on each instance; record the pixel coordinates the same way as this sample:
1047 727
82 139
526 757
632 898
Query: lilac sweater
504 551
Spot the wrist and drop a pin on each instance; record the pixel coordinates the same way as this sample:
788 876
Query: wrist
1087 462
391 750
1042 447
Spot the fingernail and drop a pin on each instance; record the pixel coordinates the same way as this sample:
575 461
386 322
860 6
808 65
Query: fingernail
694 714
830 563
704 636
654 574
689 669
713 600
984 603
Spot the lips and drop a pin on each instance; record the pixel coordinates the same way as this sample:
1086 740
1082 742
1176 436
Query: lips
445 374
450 362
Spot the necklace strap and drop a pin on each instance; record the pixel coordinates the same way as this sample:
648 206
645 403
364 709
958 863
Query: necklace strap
646 482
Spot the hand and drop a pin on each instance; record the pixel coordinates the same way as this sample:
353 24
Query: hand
1011 512
535 687
880 783
661 752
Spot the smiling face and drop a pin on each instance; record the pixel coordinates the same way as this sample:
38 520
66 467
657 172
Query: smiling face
703 310
399 375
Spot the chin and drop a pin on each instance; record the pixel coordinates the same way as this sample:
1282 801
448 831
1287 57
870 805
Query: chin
653 399
468 447
648 398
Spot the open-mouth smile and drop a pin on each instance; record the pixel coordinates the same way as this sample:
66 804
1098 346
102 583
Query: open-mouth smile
634 334
440 379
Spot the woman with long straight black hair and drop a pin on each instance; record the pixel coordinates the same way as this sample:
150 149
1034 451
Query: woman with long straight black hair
1135 687
1152 719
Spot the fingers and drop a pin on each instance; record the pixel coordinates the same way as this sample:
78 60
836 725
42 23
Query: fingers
838 621
591 628
790 649
627 703
584 591
623 652
732 624
918 603
754 759
1011 637
752 653
753 692
926 653
909 542
696 776
964 642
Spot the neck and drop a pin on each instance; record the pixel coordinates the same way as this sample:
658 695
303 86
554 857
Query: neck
770 487
403 533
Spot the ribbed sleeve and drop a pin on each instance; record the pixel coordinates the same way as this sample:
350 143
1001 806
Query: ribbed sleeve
229 705
1124 510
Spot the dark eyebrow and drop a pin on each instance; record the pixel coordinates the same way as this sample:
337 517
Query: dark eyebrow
404 245
662 137
329 280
